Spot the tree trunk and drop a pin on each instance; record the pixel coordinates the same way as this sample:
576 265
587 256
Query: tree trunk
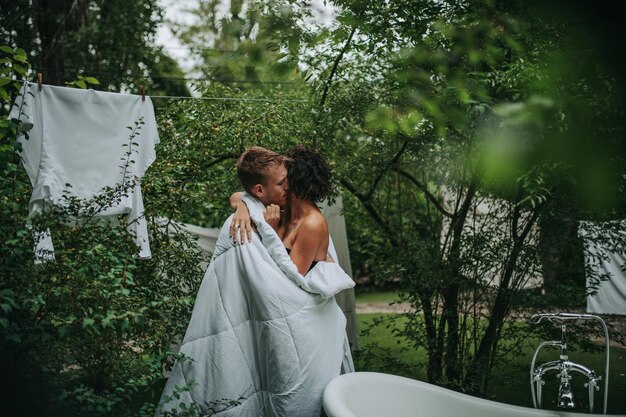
49 15
480 366
433 371
562 259
53 19
451 291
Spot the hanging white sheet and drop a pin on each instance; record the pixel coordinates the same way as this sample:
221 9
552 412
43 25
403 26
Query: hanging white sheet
81 138
346 299
606 259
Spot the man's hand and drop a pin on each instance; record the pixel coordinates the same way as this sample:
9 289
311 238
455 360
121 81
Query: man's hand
241 226
271 214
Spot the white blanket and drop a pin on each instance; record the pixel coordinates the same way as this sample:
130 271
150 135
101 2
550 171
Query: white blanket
261 333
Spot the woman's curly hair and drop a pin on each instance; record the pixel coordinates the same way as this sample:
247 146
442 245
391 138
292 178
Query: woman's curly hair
308 174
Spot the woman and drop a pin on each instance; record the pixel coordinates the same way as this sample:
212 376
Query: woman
301 226
260 333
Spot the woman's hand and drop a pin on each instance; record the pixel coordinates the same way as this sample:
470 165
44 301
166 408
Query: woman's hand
241 226
271 214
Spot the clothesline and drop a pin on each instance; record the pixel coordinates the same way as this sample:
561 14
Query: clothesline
229 98
164 77
264 99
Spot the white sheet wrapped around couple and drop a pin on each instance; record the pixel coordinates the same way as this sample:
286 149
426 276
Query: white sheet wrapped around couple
260 333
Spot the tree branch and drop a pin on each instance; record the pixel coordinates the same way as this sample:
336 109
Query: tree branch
383 171
222 158
516 212
424 189
371 211
335 66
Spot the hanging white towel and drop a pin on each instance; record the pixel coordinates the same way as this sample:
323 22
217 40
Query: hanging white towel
81 137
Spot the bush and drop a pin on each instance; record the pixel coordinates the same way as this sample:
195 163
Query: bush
88 333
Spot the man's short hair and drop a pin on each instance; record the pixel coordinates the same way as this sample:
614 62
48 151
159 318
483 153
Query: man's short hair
254 164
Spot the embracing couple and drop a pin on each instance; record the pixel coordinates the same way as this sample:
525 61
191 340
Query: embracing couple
266 335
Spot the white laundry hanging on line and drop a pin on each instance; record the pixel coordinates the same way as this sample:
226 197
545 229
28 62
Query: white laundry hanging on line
81 138
605 256
346 299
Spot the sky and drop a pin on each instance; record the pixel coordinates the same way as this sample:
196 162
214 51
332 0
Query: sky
175 12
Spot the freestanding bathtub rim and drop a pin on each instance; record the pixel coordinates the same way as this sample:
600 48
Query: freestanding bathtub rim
336 405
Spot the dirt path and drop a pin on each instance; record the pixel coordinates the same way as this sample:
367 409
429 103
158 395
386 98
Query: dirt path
617 322
366 308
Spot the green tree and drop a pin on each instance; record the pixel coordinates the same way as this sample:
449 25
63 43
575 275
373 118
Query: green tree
110 40
246 42
469 99
419 103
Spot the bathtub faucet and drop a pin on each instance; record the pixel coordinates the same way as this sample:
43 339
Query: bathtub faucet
566 396
563 366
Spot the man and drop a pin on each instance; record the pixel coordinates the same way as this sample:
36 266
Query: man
263 174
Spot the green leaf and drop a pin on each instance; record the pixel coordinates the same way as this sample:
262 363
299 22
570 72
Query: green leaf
15 338
20 58
19 69
7 49
92 80
63 331
87 321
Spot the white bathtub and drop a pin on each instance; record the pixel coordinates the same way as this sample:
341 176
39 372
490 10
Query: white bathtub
371 394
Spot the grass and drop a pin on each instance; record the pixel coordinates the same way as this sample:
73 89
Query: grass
376 297
383 352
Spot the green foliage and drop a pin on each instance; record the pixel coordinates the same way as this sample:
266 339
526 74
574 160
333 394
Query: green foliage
250 46
202 140
112 40
82 82
460 134
13 65
167 78
86 334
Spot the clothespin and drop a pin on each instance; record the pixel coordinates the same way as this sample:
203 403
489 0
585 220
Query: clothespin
40 80
142 88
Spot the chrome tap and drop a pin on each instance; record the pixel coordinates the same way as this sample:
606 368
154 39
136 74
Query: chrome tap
566 396
593 386
564 366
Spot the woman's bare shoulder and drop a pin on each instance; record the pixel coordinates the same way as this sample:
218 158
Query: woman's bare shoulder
315 222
